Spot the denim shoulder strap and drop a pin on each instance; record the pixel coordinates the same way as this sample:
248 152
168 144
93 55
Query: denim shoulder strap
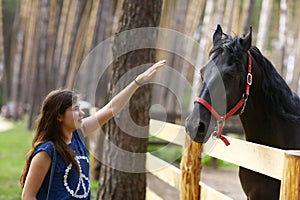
52 171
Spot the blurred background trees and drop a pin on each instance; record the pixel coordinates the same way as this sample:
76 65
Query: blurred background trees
44 42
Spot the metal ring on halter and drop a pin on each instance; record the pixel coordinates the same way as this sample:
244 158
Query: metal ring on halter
245 97
214 135
221 122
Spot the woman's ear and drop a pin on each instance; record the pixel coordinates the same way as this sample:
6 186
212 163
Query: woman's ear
59 118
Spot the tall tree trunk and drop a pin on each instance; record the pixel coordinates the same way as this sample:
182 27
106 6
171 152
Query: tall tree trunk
79 44
55 11
282 37
40 79
204 44
228 15
236 22
26 79
1 51
60 42
264 21
104 13
33 85
296 74
9 14
72 24
114 182
171 106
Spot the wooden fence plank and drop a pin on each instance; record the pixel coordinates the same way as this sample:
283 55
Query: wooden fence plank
163 170
167 131
210 193
172 175
259 158
150 195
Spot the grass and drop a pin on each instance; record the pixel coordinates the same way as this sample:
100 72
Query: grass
14 144
168 152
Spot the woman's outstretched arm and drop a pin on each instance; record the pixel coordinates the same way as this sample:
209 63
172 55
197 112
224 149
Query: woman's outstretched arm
118 102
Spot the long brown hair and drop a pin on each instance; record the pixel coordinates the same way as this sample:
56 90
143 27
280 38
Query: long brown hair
49 128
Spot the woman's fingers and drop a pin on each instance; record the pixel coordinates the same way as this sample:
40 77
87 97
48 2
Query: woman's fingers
159 64
149 73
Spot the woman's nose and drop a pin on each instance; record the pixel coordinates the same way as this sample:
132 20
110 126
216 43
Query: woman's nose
82 113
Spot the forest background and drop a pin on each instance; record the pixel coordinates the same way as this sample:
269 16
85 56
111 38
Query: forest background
44 43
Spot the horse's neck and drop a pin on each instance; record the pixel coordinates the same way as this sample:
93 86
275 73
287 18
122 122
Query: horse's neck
263 128
258 125
254 124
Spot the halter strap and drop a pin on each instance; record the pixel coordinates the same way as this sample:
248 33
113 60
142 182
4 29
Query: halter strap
242 103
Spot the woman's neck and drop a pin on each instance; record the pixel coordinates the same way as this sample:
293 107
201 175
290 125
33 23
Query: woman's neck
67 136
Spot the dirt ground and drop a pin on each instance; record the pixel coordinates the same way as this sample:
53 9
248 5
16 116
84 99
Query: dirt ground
225 181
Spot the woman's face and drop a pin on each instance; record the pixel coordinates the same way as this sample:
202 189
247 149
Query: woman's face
72 118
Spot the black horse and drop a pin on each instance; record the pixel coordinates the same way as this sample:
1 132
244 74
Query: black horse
251 87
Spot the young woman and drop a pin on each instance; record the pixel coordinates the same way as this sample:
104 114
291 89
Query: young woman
58 135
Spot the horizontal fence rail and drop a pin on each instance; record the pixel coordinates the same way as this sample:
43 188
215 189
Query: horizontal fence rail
273 162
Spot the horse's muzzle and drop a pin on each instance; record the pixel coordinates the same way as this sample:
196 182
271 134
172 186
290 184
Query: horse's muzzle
196 129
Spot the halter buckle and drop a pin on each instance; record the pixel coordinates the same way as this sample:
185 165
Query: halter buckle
245 97
249 79
221 122
215 133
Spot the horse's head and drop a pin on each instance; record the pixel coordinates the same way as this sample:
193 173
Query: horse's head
224 81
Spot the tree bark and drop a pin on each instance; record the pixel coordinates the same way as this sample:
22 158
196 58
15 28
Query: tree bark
191 170
114 182
290 182
1 49
264 21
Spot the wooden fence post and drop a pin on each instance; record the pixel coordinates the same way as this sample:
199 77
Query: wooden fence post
290 182
190 168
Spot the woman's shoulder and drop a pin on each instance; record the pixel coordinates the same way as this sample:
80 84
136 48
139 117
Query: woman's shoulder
48 147
78 135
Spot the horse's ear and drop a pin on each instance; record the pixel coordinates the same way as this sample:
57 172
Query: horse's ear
246 41
217 35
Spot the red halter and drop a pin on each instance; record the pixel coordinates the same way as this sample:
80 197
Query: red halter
243 101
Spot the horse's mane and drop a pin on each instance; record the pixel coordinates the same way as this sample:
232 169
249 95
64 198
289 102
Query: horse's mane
278 97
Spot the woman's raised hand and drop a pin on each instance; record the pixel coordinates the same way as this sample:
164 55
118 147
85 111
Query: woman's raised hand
149 73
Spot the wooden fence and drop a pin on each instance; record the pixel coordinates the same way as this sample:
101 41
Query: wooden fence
280 164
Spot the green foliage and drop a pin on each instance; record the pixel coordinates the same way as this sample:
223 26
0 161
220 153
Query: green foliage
208 161
14 144
168 152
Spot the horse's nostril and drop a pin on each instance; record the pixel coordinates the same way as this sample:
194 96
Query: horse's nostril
201 128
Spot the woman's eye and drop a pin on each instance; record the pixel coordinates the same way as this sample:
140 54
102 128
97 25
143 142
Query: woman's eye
75 109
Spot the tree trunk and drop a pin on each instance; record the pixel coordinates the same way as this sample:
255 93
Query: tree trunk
1 51
33 85
8 36
204 44
282 37
40 79
228 15
60 41
122 175
264 21
296 74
